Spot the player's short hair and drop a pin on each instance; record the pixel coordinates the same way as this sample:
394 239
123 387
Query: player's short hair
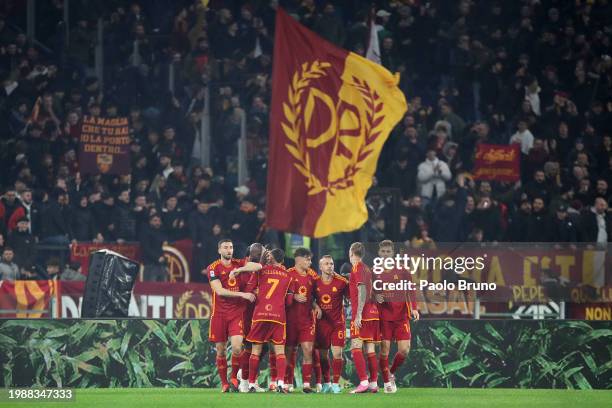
278 255
357 249
223 241
303 252
255 251
326 257
385 243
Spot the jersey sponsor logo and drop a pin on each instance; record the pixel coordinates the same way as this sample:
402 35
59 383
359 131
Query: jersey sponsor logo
231 282
268 307
326 298
302 290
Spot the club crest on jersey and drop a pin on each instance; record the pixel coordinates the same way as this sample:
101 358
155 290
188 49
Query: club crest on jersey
334 289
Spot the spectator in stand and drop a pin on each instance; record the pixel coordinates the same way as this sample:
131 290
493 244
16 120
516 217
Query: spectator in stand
432 176
8 269
83 224
563 227
30 271
22 242
244 224
72 272
523 137
449 211
28 209
56 220
123 222
538 224
53 268
174 219
152 239
596 223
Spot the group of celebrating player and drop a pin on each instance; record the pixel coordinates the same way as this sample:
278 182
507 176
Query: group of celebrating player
258 302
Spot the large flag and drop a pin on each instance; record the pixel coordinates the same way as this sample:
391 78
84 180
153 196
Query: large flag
332 111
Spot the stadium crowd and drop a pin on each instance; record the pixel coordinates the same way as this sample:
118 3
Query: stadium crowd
533 72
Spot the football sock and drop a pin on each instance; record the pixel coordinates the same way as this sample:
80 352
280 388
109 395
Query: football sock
360 364
222 369
337 364
253 368
373 366
398 360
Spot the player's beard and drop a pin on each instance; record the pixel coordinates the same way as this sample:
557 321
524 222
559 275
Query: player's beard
227 257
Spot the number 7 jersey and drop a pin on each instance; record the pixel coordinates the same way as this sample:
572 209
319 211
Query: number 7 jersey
271 284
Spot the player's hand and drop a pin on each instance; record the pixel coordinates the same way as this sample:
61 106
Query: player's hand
248 296
318 312
234 273
358 321
379 298
299 298
415 315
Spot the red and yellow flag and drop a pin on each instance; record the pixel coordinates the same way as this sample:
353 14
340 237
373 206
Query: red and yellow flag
25 296
332 111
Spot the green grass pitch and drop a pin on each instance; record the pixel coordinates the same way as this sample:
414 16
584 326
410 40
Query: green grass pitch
413 397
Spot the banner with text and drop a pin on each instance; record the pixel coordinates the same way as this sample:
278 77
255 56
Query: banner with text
497 162
104 146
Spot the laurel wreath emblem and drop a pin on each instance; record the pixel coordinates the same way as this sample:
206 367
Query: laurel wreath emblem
293 110
180 305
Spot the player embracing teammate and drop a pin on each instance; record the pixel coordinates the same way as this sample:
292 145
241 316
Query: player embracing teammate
228 307
261 303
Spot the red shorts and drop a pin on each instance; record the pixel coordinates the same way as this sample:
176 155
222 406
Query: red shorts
298 335
264 331
395 330
330 334
369 331
222 327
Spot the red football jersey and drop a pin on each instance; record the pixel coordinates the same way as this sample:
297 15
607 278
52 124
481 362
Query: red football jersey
397 304
329 297
362 275
272 283
222 304
301 313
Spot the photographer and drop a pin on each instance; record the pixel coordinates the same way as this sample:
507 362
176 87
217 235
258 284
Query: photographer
152 239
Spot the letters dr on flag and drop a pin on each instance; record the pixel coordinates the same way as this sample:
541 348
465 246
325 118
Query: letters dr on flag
497 162
332 111
104 146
